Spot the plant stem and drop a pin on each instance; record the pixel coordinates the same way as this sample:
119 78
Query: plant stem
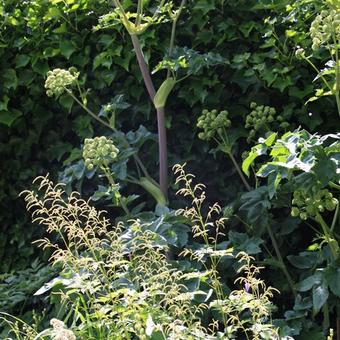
109 177
333 185
337 74
163 155
143 66
335 217
326 322
246 184
279 256
92 114
173 31
162 144
327 234
318 72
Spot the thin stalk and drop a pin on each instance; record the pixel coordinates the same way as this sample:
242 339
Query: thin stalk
143 66
338 326
318 72
162 143
108 175
173 31
139 13
279 256
163 154
126 21
325 312
333 185
335 217
327 233
246 184
93 115
337 74
227 149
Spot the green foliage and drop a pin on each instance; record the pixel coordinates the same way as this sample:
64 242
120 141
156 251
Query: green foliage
17 289
235 52
307 166
111 286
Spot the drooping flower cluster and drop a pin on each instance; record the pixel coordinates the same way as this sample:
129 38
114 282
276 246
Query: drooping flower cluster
263 118
59 79
325 28
305 205
212 122
99 151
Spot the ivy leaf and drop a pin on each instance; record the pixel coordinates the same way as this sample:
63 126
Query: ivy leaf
205 6
102 59
8 117
9 79
67 48
21 60
4 103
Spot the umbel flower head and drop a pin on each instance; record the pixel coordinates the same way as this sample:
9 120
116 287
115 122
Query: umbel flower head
325 28
305 205
212 122
59 79
263 118
99 151
60 332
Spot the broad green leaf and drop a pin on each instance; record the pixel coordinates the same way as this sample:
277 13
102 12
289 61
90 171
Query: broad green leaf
4 103
270 139
102 59
8 117
304 260
255 152
61 29
333 279
66 101
320 296
21 60
67 48
9 79
205 5
309 282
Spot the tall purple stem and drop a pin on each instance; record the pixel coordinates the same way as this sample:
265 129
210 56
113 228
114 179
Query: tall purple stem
162 145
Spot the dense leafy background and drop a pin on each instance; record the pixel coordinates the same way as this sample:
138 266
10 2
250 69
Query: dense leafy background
254 43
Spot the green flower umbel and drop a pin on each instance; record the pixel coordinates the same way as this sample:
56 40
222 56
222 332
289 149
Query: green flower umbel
306 205
212 122
58 80
99 151
263 119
